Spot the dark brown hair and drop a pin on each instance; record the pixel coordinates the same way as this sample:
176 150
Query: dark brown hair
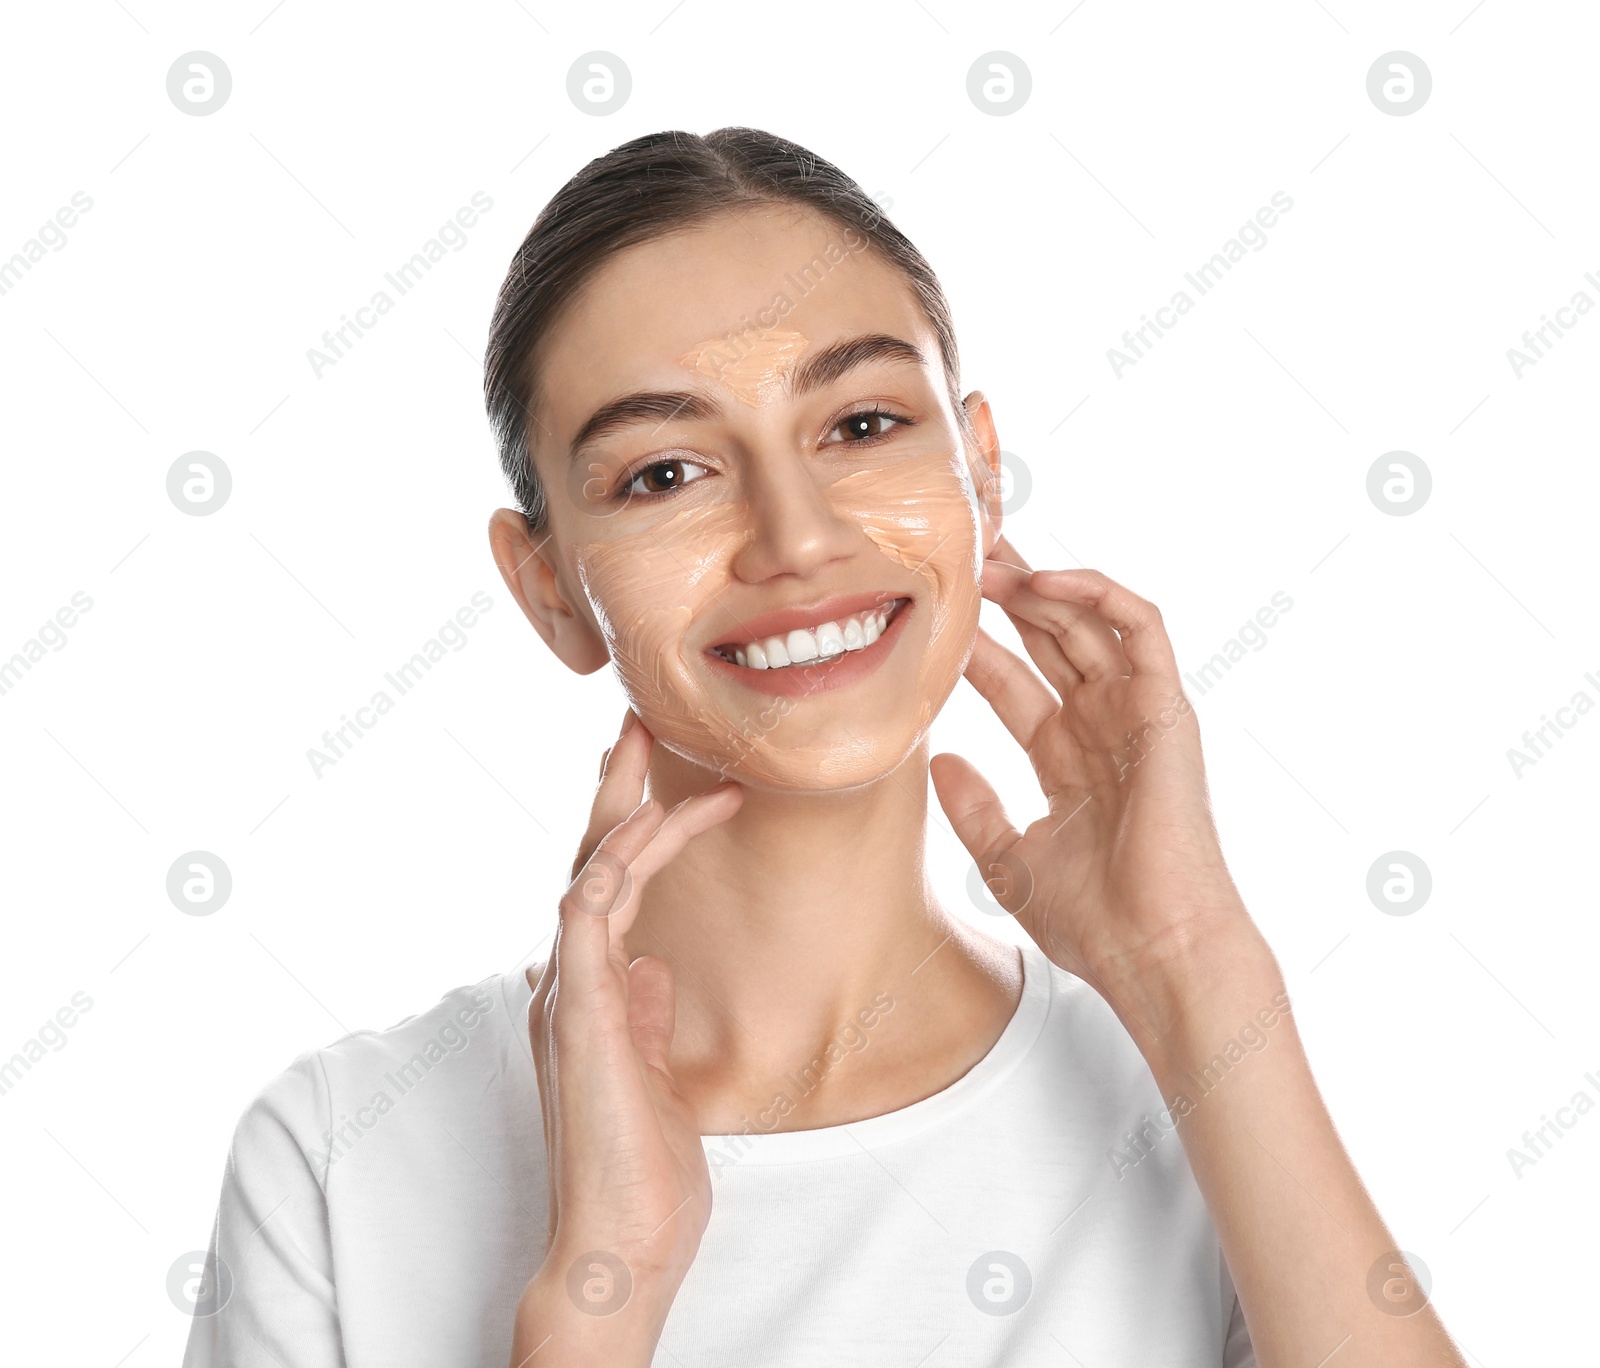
646 188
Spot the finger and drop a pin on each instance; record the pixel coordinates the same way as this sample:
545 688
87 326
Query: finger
1045 649
1087 639
621 784
652 1010
539 1044
578 969
623 863
973 807
583 934
1021 700
1006 553
1137 621
680 826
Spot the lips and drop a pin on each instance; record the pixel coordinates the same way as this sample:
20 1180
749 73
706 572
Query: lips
785 620
764 667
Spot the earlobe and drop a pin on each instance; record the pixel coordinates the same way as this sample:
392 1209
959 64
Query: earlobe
531 580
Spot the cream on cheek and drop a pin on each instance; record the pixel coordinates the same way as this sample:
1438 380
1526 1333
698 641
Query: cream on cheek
643 587
922 514
647 587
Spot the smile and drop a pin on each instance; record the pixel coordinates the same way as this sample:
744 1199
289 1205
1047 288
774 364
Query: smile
848 639
823 641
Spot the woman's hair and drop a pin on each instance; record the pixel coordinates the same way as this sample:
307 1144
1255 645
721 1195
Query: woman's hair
647 188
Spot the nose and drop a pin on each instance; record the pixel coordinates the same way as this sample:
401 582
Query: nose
798 529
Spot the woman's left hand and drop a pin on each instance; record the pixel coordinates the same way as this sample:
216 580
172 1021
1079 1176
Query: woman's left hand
1124 876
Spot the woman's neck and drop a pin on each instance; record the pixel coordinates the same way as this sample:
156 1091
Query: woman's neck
792 919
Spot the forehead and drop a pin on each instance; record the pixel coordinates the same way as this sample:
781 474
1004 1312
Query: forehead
768 268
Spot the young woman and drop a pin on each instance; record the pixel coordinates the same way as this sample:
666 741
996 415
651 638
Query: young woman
767 1099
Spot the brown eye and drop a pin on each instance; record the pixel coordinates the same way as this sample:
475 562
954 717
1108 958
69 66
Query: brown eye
662 477
868 425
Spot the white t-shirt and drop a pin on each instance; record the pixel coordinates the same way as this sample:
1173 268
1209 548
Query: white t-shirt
384 1204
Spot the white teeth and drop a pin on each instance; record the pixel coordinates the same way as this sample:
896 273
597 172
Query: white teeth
822 642
801 646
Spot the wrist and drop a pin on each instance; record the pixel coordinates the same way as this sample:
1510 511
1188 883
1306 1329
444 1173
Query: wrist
591 1308
599 1282
1177 997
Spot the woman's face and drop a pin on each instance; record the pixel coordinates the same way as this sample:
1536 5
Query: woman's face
760 480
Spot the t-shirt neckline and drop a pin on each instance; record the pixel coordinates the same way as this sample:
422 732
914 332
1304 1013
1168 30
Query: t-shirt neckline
855 1137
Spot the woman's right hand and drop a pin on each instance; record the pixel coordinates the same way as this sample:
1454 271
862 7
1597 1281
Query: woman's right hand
630 1193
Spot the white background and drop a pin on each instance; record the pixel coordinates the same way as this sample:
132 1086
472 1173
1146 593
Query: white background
1228 464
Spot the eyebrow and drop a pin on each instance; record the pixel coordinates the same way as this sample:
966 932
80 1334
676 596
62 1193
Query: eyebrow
823 368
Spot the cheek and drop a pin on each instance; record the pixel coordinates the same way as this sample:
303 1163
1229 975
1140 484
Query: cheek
923 515
643 591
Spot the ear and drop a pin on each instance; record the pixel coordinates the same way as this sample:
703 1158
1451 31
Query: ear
527 565
986 471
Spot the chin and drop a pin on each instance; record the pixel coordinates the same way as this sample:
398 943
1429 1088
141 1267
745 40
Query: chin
850 761
826 743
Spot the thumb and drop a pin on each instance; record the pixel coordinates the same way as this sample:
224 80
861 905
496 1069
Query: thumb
973 807
652 1010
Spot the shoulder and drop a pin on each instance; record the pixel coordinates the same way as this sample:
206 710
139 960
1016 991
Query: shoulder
1077 1011
1088 1084
1083 1039
449 1026
298 1115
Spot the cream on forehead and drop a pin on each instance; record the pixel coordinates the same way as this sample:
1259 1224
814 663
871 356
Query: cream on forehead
750 368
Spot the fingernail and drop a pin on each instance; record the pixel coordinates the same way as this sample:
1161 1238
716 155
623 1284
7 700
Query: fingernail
628 721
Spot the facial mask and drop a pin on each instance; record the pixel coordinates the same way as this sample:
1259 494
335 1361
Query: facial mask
648 585
752 374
